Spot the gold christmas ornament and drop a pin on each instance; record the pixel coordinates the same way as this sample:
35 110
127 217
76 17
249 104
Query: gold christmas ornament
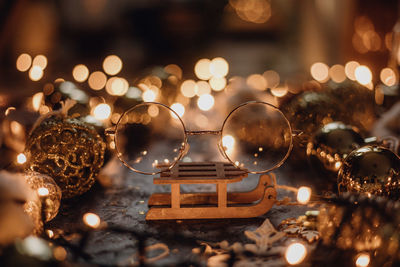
51 201
371 170
33 208
67 149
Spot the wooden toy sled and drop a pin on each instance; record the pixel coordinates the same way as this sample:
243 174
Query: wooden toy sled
177 205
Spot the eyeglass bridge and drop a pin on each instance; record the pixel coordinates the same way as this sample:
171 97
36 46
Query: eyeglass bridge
203 132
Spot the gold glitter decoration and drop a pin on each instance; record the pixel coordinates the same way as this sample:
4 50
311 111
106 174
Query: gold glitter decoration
69 151
52 201
32 208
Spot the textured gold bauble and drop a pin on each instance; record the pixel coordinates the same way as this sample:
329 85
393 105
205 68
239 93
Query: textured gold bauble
69 151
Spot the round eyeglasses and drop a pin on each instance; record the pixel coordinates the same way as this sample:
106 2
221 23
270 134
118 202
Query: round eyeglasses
255 137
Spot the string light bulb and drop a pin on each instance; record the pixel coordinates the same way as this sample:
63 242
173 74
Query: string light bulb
21 158
92 220
362 260
303 195
363 75
295 253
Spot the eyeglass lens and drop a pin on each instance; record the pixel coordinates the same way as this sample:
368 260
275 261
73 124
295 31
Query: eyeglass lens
148 135
256 136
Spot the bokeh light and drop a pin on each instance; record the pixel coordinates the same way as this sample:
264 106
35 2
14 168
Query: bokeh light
153 111
337 73
320 71
173 69
149 96
388 77
255 11
37 100
59 253
350 69
40 61
178 108
219 67
303 195
295 253
21 158
257 82
202 69
189 88
362 260
112 65
363 75
24 62
279 91
91 219
205 102
35 73
217 84
203 87
272 78
102 111
117 86
97 80
80 73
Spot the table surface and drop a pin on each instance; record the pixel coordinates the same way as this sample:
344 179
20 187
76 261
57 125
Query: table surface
120 198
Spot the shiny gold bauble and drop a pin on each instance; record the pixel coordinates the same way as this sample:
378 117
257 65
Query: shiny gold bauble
50 202
332 143
371 170
69 151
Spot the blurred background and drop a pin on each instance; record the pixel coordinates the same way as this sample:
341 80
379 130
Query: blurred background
252 36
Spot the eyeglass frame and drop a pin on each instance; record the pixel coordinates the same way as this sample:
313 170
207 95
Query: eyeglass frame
112 131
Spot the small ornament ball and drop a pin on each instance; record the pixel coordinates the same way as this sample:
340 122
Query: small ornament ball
332 143
68 150
52 200
371 170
